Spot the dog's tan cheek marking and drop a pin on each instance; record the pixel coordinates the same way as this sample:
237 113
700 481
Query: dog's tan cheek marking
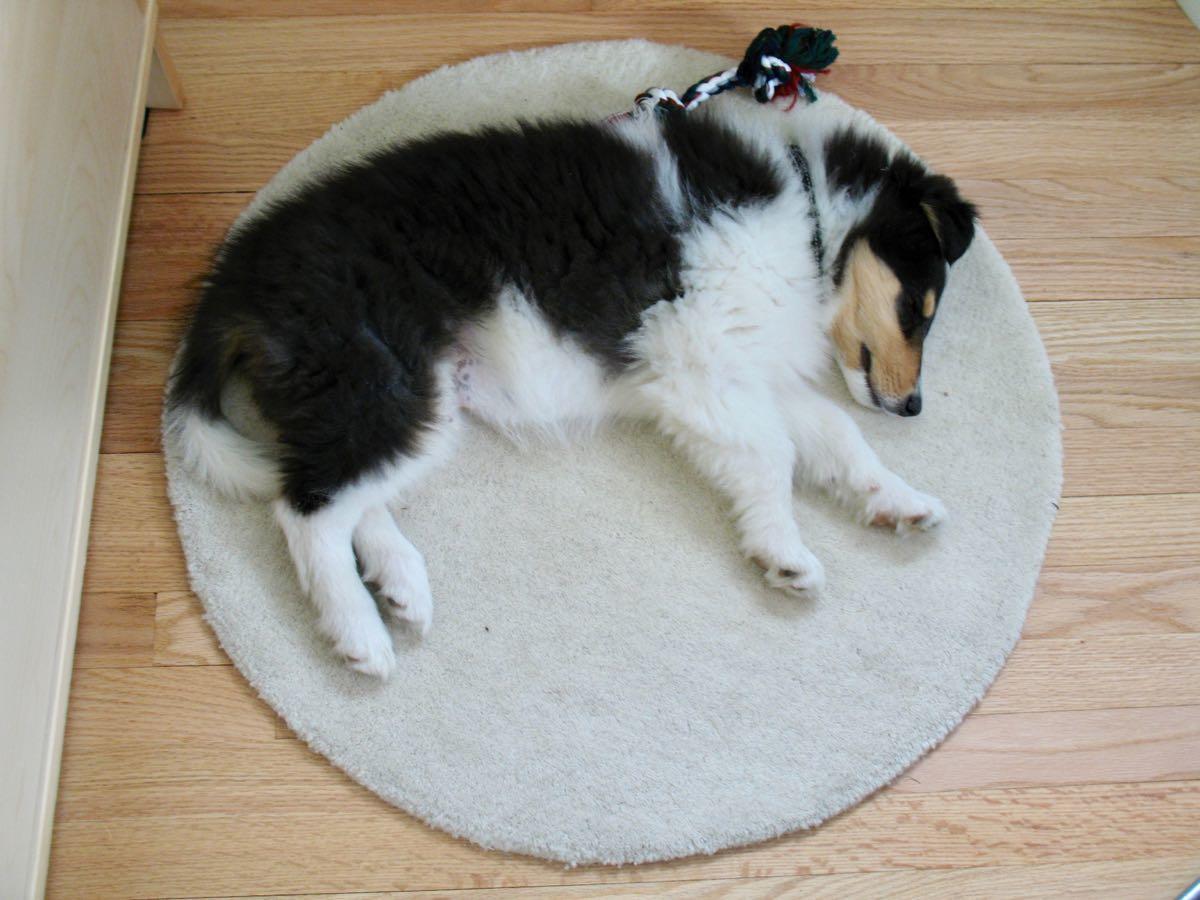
930 304
895 363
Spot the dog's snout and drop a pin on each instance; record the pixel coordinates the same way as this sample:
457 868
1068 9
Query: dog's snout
912 406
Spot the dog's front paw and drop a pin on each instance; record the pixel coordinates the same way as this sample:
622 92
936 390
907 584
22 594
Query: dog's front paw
894 504
800 573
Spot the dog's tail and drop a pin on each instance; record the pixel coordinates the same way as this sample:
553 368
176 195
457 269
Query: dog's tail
211 447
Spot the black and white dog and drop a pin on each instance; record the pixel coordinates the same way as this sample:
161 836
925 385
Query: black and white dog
695 270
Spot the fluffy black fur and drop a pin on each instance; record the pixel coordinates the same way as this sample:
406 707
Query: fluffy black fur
335 304
917 224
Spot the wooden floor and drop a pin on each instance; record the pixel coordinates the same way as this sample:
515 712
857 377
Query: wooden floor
1073 124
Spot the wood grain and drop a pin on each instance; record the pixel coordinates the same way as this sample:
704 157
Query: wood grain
374 848
115 629
1105 268
225 9
879 35
181 636
1046 674
1119 598
1076 747
156 706
1106 530
133 543
1096 460
1130 880
1130 365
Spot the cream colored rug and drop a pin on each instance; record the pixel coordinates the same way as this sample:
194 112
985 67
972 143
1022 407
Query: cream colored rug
606 680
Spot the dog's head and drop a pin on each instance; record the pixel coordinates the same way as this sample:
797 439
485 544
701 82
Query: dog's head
891 270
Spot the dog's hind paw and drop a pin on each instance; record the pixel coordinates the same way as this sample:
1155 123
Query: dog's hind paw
404 590
367 647
414 608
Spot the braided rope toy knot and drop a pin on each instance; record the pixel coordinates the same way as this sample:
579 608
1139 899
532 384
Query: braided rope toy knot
780 62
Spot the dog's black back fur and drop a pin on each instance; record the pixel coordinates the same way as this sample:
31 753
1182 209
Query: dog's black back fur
335 303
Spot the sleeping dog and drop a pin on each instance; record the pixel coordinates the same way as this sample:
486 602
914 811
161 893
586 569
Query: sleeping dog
695 270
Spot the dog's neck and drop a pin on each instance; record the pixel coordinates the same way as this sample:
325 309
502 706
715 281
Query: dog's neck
841 212
836 212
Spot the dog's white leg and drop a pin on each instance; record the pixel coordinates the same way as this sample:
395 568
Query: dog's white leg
320 544
389 561
739 442
833 453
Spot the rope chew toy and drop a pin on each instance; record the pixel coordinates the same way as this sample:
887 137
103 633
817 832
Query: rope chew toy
780 62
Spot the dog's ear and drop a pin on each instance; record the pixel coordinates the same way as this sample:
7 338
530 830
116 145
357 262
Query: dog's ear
952 217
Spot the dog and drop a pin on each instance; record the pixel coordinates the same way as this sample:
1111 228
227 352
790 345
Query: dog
696 270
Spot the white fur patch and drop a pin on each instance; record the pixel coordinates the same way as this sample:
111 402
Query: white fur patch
237 466
520 377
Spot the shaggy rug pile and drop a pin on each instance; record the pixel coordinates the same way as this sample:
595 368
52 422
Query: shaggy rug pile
606 680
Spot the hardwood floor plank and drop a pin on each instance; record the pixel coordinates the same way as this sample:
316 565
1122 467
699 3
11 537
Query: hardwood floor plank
1105 268
181 636
1027 147
133 545
115 629
164 707
967 92
1076 747
1097 673
1124 363
878 35
379 849
227 9
1131 461
171 242
1104 530
1139 597
1127 879
1049 208
198 777
141 359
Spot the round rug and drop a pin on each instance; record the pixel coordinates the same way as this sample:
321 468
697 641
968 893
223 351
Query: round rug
606 680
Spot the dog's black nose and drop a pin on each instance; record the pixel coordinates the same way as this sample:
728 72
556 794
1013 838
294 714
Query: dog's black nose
912 406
